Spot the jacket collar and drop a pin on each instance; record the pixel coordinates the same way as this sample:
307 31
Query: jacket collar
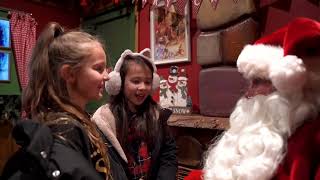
105 121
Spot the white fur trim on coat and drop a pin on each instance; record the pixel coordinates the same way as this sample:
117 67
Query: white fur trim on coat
105 121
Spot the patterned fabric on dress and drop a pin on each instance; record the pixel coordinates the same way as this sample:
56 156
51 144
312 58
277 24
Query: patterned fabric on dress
138 154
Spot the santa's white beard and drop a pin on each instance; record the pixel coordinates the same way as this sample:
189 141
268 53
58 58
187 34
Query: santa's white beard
254 145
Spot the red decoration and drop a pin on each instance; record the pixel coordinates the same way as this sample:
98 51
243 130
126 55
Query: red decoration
180 6
155 2
83 3
144 2
116 2
150 2
195 174
195 7
298 8
214 3
167 3
264 3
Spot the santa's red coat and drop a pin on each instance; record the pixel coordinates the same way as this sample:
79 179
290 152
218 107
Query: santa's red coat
302 160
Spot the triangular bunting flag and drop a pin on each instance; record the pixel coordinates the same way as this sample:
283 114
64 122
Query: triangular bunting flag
151 3
195 7
180 6
214 3
155 3
266 2
168 3
144 2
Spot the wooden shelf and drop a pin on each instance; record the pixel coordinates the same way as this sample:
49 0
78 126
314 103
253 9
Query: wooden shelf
198 121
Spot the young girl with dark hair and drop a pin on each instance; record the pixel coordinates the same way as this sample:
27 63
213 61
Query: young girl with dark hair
134 123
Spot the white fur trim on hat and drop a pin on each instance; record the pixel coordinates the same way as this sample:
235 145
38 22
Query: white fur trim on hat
254 60
288 75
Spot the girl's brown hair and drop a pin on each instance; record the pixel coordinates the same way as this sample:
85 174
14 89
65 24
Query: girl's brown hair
46 90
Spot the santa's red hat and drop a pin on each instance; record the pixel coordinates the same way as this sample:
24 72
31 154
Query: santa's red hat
302 34
275 56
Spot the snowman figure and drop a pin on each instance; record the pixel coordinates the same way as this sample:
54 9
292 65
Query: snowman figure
172 82
165 93
182 93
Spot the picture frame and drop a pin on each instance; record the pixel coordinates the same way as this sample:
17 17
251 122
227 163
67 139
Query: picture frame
170 34
5 69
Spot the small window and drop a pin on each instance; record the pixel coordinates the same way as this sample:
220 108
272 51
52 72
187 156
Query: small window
5 50
4 33
4 66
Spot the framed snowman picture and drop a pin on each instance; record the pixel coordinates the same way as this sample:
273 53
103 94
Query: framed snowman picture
173 92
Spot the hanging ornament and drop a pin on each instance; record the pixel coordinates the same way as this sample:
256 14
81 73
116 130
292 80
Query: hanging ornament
195 7
150 2
264 3
155 3
115 2
83 3
214 3
168 4
144 2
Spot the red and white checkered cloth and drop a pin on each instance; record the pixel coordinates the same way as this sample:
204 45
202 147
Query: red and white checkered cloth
180 6
23 36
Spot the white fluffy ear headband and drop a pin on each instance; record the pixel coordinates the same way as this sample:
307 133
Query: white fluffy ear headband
113 85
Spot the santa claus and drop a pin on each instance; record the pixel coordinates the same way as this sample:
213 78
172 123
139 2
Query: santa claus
275 128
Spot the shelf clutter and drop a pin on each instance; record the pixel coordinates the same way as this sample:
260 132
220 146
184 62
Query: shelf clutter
198 121
193 134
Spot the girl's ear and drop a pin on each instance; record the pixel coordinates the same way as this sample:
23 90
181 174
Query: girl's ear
67 74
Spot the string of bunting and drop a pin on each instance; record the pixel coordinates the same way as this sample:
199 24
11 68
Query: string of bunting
179 5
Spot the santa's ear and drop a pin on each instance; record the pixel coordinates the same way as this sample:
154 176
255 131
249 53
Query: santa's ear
67 74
